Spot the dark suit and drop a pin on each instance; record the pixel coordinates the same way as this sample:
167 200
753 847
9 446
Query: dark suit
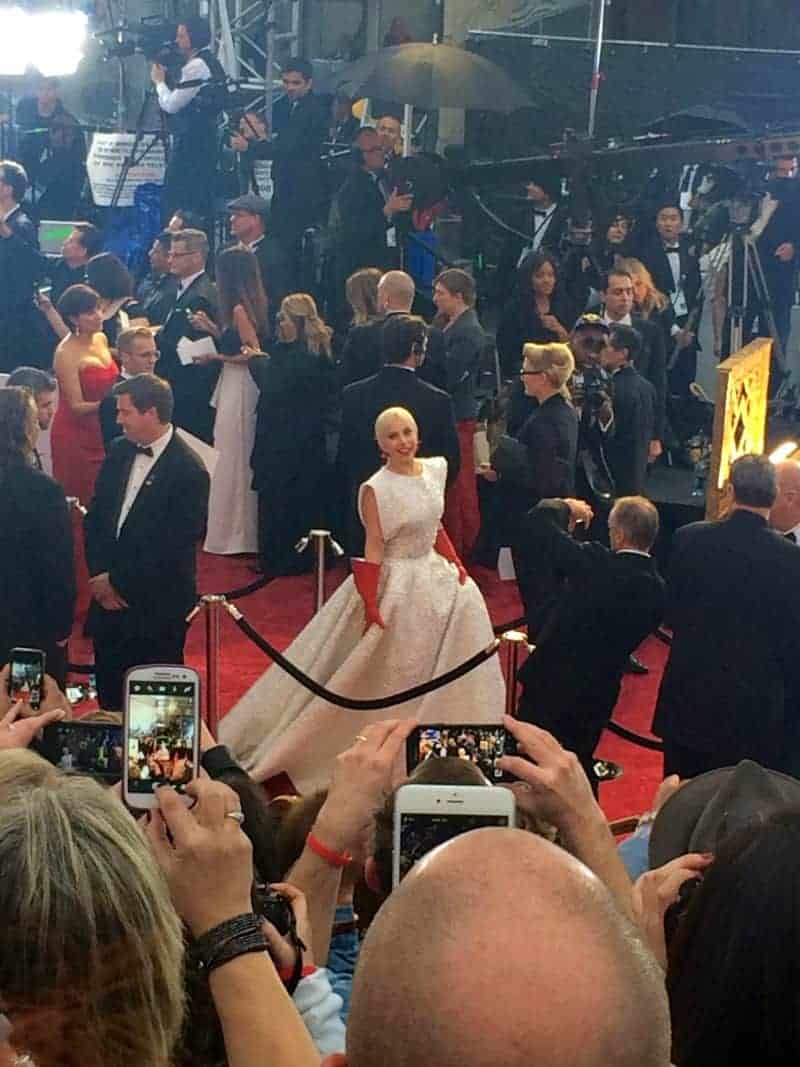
151 564
608 605
527 221
654 257
192 385
734 664
550 436
107 412
276 270
627 442
521 323
783 226
157 296
652 365
362 403
23 330
362 355
296 149
359 230
37 580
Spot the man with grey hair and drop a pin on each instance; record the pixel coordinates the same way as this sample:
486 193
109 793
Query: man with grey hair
444 977
610 602
729 688
784 515
192 382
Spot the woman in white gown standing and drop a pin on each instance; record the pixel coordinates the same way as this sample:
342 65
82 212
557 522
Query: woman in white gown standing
423 617
232 503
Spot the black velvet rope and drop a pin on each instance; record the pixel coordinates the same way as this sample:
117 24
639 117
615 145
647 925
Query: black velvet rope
377 703
515 624
634 738
246 590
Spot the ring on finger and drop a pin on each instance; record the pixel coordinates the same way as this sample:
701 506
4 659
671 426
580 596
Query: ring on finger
237 816
360 737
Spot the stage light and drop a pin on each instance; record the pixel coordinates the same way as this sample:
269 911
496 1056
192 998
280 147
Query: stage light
56 40
13 41
51 42
784 451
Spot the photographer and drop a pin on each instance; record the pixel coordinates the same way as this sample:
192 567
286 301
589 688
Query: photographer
193 113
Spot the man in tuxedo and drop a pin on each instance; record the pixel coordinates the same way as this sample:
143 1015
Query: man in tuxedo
395 385
730 683
300 125
626 420
785 513
158 289
612 599
144 524
23 330
672 263
545 217
137 355
464 346
652 361
364 214
249 225
192 383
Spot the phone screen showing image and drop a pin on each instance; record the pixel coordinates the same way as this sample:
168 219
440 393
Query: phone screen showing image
481 745
420 833
161 734
26 676
91 748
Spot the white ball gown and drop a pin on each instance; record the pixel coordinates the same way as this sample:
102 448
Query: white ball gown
433 623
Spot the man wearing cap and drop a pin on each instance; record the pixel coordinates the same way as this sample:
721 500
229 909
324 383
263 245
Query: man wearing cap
192 118
249 221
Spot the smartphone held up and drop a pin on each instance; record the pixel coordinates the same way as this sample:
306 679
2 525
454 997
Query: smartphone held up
161 731
26 676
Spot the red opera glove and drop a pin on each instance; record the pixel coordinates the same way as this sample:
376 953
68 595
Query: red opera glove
366 575
444 546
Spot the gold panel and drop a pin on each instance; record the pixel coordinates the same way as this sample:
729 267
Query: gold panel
740 415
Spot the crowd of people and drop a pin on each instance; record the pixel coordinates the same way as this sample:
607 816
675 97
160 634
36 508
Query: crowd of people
209 404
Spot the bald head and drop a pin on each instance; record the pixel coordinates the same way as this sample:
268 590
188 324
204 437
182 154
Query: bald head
785 512
500 948
396 291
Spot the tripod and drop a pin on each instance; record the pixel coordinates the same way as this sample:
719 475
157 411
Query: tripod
137 152
746 280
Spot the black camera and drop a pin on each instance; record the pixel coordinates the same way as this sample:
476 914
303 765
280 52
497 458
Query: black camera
275 908
166 54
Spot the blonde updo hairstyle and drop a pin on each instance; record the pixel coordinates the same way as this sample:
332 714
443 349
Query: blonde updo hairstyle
91 949
554 360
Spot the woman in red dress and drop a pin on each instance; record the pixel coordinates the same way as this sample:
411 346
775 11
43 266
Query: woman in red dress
85 371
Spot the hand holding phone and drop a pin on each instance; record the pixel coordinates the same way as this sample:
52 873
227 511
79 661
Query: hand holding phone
26 676
161 732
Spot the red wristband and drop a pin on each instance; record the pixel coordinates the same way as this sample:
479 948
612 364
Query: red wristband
335 859
286 974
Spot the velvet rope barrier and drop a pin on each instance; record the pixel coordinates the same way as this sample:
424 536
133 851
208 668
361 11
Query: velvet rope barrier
375 704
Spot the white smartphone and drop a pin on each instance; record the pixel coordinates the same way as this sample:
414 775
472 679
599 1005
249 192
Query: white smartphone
161 731
426 816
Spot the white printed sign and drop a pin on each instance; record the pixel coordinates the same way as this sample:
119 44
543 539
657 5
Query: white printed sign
107 156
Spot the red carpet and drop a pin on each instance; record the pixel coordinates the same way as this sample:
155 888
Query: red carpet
281 609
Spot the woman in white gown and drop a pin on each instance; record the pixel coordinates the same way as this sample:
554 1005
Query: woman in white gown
232 503
423 614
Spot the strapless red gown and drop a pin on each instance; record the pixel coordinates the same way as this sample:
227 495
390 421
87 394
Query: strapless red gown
76 440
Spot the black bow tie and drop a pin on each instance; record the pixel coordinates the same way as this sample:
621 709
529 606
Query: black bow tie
672 248
144 450
791 536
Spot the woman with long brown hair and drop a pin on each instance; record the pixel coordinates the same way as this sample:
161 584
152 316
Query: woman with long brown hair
232 505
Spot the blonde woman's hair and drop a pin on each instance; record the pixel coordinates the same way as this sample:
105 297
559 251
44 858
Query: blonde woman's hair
555 360
361 290
655 299
91 949
387 416
302 309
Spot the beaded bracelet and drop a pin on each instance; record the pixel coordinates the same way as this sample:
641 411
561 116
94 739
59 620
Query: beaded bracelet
230 939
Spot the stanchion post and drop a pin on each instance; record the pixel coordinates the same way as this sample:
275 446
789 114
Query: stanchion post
212 605
320 539
513 640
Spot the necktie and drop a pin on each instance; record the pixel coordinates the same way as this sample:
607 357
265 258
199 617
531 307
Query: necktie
144 450
669 249
791 536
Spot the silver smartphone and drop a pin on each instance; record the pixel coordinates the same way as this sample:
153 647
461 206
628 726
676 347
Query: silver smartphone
161 731
425 816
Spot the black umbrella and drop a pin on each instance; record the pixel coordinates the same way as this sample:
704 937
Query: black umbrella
697 121
430 76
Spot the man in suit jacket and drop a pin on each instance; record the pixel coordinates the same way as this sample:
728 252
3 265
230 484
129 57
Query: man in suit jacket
249 224
652 360
730 684
144 524
37 579
395 385
627 421
364 214
192 384
23 330
669 257
137 355
611 600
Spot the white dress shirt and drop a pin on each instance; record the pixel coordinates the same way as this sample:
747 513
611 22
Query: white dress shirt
184 283
173 100
625 321
140 470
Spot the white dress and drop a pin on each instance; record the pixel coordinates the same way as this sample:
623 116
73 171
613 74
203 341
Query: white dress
232 504
433 623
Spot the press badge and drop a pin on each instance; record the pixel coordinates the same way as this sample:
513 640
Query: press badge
391 237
